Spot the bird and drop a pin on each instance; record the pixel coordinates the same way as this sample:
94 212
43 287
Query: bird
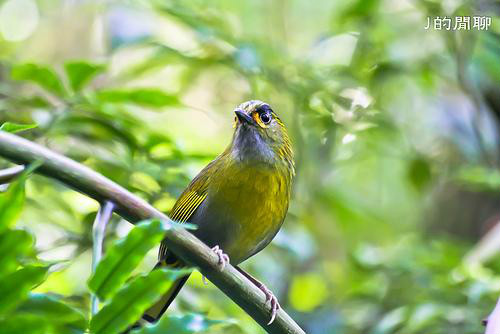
239 201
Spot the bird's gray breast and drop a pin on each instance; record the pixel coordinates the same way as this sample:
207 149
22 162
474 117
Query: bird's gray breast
216 225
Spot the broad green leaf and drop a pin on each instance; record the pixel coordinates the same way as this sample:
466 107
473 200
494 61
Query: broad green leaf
180 324
149 97
13 127
24 324
128 305
55 311
44 76
12 245
11 203
12 200
14 287
124 256
81 72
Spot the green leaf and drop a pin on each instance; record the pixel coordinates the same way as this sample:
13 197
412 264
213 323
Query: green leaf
12 200
11 203
13 127
124 256
180 324
12 245
55 311
24 323
81 72
149 97
44 76
14 287
131 301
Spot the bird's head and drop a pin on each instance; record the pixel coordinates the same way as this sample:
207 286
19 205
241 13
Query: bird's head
260 135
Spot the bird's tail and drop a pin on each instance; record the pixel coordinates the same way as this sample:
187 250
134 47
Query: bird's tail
155 311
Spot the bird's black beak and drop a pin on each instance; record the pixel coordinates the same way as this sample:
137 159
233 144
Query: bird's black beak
243 117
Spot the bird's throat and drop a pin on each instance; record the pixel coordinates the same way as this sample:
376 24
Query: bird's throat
248 146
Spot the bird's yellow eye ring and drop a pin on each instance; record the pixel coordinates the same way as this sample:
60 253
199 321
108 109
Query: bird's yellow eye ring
262 118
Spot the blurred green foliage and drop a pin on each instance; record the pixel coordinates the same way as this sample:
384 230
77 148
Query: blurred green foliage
395 130
112 271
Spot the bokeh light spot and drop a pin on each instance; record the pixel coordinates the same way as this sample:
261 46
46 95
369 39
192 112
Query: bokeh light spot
18 19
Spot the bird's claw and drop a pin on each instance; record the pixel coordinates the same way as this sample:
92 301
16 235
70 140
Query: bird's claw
223 257
270 297
204 280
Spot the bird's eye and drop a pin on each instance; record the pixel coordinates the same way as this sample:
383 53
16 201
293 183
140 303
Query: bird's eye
265 118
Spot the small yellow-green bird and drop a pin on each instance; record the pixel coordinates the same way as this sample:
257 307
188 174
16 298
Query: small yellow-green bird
240 199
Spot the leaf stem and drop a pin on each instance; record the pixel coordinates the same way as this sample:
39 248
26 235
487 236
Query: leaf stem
98 232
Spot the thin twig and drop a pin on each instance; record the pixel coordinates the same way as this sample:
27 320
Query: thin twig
185 245
8 174
98 232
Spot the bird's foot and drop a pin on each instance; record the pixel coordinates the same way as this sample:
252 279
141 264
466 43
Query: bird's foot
223 257
270 297
204 280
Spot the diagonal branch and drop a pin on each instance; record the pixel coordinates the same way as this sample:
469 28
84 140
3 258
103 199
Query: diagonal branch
183 244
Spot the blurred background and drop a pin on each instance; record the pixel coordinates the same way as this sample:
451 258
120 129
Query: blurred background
392 225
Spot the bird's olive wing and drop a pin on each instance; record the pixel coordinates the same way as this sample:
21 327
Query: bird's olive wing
190 200
187 204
